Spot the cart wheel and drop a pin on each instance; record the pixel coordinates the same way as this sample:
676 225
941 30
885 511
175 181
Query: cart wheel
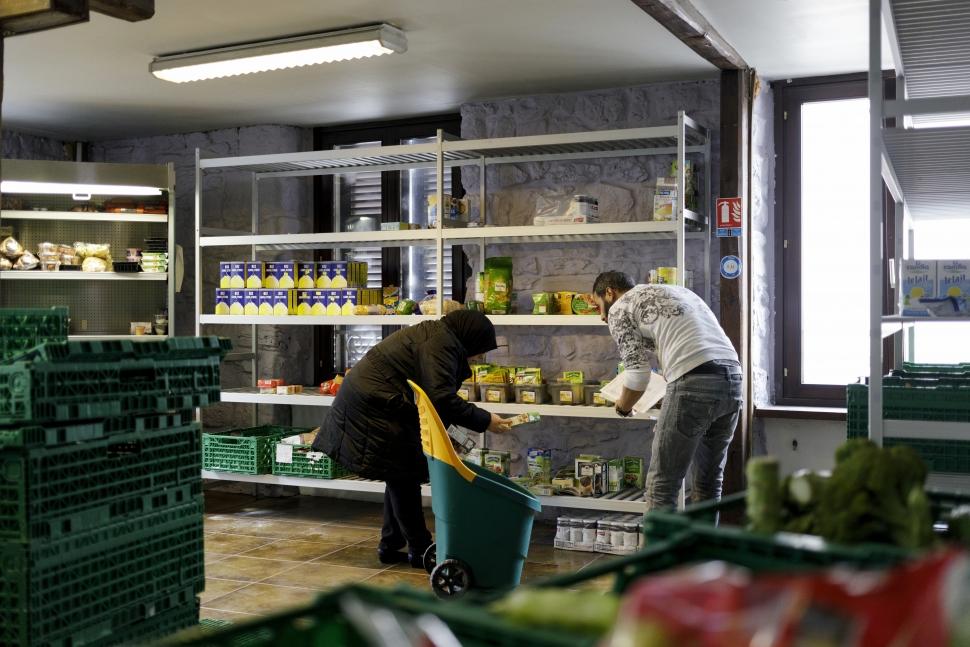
431 558
451 579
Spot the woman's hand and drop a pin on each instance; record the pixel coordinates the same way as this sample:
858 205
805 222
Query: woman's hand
500 425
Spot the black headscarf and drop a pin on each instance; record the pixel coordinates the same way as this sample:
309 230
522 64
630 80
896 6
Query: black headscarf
473 329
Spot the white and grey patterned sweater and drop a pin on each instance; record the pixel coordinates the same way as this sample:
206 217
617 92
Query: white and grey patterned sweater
666 326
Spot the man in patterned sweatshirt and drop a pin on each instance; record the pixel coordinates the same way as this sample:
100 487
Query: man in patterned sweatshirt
671 328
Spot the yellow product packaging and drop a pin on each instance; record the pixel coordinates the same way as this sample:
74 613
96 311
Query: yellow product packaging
478 371
284 302
348 301
573 377
498 285
251 302
280 275
528 376
391 296
667 275
255 274
222 302
333 303
357 275
564 302
494 375
954 278
318 303
338 274
304 302
231 275
306 275
237 302
265 302
323 275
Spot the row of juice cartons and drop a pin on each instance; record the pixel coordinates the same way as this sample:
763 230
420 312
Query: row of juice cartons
933 279
284 275
328 302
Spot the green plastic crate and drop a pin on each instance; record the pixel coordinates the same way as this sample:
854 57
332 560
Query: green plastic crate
48 492
301 465
155 627
55 434
100 583
23 328
244 451
913 367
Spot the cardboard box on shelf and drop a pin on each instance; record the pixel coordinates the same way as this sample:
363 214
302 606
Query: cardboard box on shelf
237 302
304 302
222 302
919 281
539 464
592 474
284 302
255 275
251 302
306 273
953 278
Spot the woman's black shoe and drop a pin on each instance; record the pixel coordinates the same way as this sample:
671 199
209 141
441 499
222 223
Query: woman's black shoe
392 556
416 560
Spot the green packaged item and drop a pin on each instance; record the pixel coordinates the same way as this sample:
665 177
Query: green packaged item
633 474
543 303
524 419
479 371
583 304
406 307
573 377
498 285
392 296
615 474
764 494
494 375
539 465
528 376
490 459
477 306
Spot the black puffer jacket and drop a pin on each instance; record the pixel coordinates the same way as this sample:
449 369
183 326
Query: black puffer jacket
372 428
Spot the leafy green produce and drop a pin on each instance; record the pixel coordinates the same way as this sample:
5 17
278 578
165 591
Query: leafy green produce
764 494
588 612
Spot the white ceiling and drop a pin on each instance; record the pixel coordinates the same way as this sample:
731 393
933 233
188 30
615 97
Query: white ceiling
787 39
91 81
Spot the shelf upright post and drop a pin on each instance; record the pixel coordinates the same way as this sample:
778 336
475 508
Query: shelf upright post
709 211
254 345
681 199
439 167
170 296
198 247
482 201
875 221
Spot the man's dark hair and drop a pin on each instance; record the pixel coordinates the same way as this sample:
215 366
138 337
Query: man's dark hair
617 280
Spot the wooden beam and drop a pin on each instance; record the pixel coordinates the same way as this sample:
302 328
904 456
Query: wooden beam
684 21
27 16
130 10
736 92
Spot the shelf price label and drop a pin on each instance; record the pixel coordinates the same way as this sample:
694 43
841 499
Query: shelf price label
728 212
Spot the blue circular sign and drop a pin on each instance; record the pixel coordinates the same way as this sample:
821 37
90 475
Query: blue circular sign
730 267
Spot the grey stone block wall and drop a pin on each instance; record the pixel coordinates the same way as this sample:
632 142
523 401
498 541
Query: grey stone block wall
624 189
285 206
17 145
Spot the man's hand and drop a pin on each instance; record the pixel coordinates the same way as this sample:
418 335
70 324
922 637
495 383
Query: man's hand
500 425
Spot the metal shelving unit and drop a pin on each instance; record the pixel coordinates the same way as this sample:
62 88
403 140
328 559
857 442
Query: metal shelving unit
684 138
103 303
925 164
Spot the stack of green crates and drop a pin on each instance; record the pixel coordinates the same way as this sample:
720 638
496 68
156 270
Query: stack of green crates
930 392
101 508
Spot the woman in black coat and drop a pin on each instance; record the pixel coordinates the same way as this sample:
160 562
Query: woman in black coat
372 428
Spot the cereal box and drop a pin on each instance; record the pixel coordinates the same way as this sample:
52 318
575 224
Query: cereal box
255 273
919 281
237 302
592 473
953 278
222 302
306 275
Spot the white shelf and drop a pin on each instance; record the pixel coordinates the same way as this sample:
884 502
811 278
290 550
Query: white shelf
563 411
416 237
37 275
896 319
570 233
926 429
115 337
362 485
949 482
309 398
298 320
546 320
80 216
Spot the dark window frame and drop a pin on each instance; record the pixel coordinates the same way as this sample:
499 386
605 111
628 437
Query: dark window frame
389 133
789 96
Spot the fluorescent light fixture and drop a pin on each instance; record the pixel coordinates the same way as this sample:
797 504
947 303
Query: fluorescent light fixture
14 186
283 53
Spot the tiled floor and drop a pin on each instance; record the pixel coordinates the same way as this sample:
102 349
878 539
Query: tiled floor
264 555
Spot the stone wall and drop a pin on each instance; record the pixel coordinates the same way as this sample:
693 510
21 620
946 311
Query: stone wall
17 145
285 206
762 245
624 188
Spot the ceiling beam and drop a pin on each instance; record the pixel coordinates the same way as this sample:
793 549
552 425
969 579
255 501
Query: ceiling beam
684 21
130 10
27 16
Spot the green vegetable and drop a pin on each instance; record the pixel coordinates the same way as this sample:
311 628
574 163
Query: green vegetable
920 533
764 494
588 612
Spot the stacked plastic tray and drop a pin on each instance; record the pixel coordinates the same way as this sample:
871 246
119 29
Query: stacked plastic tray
928 392
101 508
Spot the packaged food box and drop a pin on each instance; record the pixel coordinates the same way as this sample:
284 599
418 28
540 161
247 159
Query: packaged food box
919 281
468 391
584 304
265 302
531 393
284 302
338 274
237 302
463 439
304 302
323 275
592 473
633 473
566 393
524 419
564 478
348 300
395 226
267 386
496 461
495 392
391 296
251 302
667 275
333 302
280 275
574 377
539 464
289 389
222 302
593 396
615 474
564 302
664 201
528 376
543 303
318 302
953 278
231 275
255 274
479 370
306 273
